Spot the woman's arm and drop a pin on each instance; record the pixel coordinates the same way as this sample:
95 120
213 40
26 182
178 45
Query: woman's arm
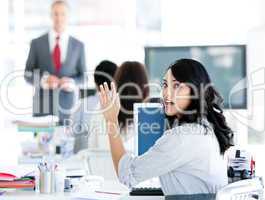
116 147
110 103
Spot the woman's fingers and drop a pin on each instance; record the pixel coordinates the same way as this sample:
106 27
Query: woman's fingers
100 99
113 91
107 91
102 95
115 95
106 87
113 88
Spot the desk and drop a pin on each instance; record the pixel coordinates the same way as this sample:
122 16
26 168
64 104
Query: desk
93 161
107 186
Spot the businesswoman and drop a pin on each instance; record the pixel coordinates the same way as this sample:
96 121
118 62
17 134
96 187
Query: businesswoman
188 158
132 84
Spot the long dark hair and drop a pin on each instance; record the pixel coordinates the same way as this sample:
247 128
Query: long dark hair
132 85
209 101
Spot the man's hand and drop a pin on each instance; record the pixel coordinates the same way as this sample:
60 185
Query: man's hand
67 84
50 82
53 81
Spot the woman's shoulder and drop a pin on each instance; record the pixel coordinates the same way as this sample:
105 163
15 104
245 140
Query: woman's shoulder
200 127
188 132
185 135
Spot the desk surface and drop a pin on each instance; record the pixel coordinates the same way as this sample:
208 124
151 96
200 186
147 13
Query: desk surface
107 186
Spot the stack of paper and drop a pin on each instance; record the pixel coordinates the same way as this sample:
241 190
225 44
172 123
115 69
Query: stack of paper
29 121
18 184
11 181
7 177
98 196
36 124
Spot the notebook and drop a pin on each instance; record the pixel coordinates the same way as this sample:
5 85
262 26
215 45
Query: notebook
7 177
22 179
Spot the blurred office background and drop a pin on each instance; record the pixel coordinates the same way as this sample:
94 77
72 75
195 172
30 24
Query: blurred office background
119 30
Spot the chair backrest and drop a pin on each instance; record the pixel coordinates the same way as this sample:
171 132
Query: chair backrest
149 123
191 197
245 189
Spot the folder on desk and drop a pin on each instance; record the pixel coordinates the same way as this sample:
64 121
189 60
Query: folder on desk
18 184
35 129
7 177
8 180
43 121
36 124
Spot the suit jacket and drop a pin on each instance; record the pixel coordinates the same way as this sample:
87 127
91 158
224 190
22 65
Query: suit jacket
39 62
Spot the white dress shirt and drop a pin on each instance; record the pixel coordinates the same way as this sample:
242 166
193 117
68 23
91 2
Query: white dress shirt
186 158
63 43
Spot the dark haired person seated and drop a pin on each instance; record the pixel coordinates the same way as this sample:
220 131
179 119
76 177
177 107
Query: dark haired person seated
104 73
188 158
132 85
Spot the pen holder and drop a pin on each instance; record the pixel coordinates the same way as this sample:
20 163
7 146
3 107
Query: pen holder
59 184
46 182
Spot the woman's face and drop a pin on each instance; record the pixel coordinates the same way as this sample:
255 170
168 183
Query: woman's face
176 95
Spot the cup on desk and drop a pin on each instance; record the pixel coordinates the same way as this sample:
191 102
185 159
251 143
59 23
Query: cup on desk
51 178
46 182
59 177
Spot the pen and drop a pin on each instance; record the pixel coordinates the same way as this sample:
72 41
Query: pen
101 192
28 173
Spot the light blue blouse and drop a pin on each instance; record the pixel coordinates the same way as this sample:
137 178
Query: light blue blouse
186 159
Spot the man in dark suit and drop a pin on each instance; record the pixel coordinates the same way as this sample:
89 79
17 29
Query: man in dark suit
55 66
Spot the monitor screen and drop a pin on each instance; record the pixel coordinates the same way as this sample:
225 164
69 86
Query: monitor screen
226 66
149 122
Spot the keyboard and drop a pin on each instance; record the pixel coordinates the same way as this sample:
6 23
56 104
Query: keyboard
146 191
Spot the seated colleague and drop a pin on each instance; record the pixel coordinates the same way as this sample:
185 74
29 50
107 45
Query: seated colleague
87 115
104 72
188 158
132 83
92 119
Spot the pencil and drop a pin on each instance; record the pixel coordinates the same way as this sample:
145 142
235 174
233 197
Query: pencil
114 193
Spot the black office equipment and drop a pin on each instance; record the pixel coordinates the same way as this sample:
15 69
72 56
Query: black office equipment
226 65
192 197
146 191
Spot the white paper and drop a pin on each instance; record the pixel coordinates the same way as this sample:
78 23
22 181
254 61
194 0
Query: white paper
36 121
17 171
97 196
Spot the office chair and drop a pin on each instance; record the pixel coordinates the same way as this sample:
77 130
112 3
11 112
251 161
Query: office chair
249 189
89 177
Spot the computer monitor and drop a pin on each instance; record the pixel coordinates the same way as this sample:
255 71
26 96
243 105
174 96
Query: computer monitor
149 120
225 64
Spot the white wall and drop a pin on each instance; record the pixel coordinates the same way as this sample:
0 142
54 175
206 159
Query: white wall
209 21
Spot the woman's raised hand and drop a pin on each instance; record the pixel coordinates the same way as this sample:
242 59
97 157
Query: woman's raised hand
110 102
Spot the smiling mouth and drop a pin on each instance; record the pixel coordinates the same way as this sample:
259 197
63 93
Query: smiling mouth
168 102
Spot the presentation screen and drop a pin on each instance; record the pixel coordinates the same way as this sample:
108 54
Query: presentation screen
226 66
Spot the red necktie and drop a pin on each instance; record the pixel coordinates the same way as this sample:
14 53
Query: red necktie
57 56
